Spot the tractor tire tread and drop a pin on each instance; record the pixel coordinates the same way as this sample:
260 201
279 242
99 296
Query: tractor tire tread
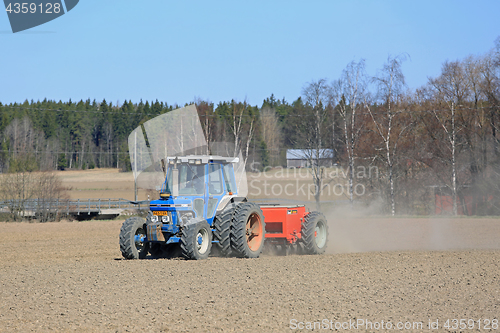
238 230
308 233
188 241
127 242
222 226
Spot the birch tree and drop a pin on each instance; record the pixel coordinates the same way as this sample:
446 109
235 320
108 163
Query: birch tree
316 95
240 118
351 89
451 87
390 82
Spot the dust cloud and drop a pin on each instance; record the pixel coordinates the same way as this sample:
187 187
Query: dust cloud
361 230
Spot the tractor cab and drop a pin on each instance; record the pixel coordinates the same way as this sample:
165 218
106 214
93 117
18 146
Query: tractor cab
195 187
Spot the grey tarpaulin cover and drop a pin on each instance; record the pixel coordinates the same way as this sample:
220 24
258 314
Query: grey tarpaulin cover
175 133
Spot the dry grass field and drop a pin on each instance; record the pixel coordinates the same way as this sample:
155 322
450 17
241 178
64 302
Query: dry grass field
99 183
281 183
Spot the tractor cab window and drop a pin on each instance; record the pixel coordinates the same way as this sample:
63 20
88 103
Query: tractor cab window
191 179
229 178
214 179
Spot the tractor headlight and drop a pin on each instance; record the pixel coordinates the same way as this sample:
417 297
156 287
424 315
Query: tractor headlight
154 218
165 219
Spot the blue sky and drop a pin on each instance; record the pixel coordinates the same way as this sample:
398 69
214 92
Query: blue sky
176 51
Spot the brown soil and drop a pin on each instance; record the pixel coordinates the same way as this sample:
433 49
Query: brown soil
69 276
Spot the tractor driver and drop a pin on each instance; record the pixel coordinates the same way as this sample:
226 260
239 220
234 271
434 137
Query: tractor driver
196 182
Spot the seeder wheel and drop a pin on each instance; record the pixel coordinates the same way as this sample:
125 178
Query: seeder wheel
315 233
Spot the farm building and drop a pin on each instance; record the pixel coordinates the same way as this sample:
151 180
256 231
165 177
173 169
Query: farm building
302 158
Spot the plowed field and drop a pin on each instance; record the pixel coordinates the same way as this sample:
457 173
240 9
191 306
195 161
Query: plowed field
69 276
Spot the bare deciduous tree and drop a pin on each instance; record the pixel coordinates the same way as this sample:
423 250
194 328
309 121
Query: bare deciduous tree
316 95
451 87
206 113
351 89
242 125
31 194
391 83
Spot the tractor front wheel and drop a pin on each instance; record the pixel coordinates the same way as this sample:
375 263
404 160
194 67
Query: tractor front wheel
132 239
248 230
315 233
196 241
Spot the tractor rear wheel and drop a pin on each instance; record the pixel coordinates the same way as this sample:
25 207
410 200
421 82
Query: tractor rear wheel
132 235
248 230
315 233
196 241
222 226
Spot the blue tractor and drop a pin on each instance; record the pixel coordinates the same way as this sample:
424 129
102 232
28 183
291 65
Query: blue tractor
199 209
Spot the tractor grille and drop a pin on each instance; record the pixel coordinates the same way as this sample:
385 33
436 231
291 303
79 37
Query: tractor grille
154 232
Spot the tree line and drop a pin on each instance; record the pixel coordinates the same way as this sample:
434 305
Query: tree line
441 138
